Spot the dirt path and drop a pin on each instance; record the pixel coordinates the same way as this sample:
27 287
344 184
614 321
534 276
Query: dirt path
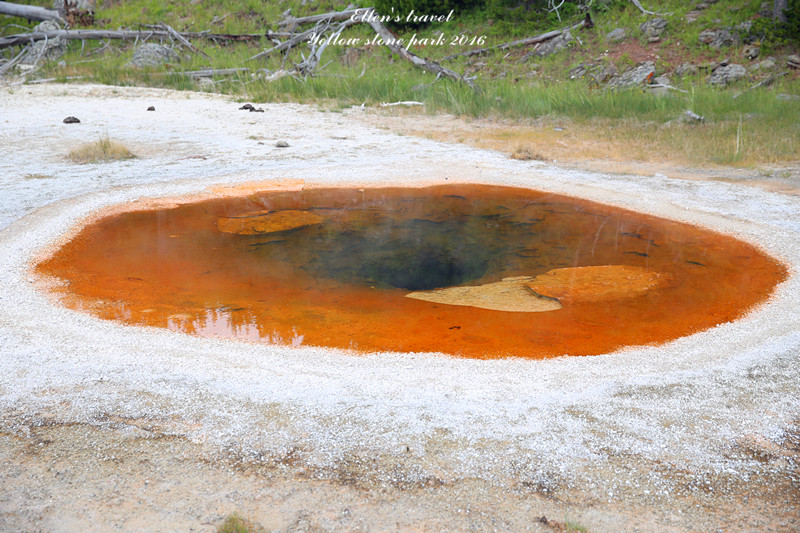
109 428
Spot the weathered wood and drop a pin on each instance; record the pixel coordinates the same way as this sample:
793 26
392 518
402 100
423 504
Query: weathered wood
333 16
524 42
24 38
390 41
765 83
29 12
181 39
208 73
642 9
285 45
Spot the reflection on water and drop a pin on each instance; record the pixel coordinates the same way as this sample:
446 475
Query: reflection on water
332 267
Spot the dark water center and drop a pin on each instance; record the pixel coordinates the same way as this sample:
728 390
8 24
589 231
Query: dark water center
334 267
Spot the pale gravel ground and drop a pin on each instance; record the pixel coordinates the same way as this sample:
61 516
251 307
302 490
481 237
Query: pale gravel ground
686 436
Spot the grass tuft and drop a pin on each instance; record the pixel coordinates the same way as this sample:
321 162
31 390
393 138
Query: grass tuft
526 152
234 523
101 151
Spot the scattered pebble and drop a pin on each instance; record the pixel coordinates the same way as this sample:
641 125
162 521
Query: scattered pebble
282 144
151 108
71 120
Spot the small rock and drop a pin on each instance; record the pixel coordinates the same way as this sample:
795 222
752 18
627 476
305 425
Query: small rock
701 6
246 107
718 38
662 80
151 108
607 73
767 64
793 61
636 76
46 50
554 45
691 16
686 69
71 120
788 97
578 72
690 117
751 51
282 144
653 29
616 35
727 74
152 55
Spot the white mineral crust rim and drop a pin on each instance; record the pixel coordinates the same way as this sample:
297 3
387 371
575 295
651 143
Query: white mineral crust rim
686 401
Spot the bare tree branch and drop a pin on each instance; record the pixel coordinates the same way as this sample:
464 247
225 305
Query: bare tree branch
29 12
523 42
24 38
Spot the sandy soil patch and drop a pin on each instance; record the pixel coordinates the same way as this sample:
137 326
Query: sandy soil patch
113 428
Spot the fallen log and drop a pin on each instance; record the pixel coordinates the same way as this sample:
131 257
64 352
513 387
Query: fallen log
208 73
766 83
130 35
29 12
390 41
333 16
523 42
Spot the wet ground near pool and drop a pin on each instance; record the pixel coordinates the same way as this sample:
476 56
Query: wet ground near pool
334 267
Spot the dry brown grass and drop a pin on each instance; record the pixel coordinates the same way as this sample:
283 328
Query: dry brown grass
526 152
101 151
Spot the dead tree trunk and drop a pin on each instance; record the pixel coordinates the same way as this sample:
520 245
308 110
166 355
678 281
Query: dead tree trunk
586 22
779 10
29 12
420 62
24 38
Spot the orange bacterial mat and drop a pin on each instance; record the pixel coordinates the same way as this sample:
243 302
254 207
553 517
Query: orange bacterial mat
469 270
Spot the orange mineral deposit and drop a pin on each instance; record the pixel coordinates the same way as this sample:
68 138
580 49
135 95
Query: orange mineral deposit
468 270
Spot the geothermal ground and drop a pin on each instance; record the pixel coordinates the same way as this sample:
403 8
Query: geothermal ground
105 427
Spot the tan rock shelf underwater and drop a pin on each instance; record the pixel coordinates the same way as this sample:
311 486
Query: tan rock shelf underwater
469 270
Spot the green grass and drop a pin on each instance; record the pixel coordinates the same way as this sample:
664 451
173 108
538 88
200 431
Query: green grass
507 86
234 523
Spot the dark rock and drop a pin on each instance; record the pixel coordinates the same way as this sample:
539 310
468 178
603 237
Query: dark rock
152 55
71 120
616 35
247 107
653 29
151 108
282 144
723 76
